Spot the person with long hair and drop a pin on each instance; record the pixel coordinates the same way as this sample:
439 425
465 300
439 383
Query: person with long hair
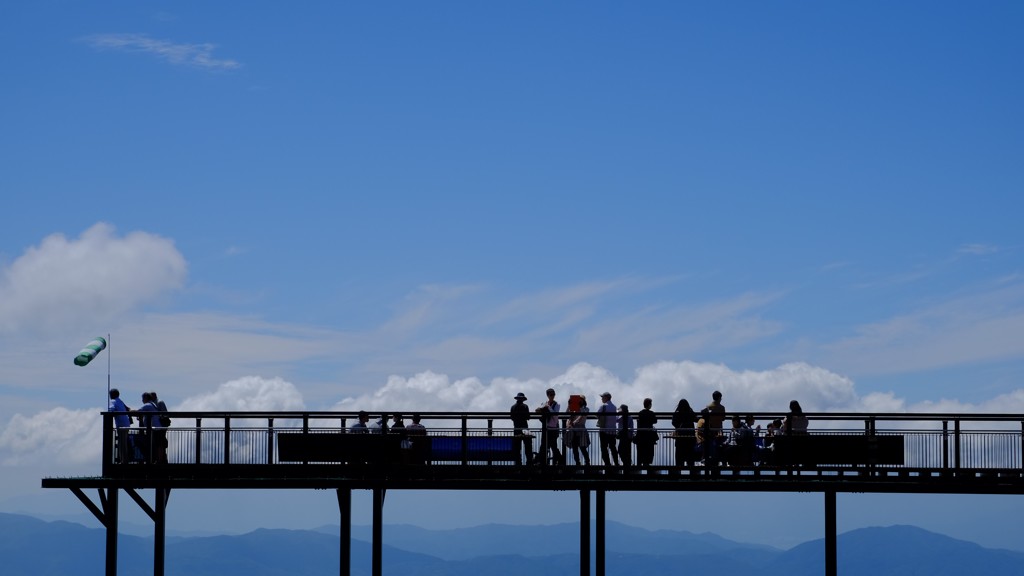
626 432
795 422
683 420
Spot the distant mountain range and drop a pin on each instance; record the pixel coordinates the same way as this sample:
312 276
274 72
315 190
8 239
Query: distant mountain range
29 546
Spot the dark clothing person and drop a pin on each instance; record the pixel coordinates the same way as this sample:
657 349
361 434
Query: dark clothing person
607 430
626 432
683 420
646 436
520 415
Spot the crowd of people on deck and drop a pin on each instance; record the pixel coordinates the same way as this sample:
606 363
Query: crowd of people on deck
699 437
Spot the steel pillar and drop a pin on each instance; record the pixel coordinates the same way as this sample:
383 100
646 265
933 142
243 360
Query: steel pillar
108 518
345 541
378 532
831 557
599 533
584 532
159 531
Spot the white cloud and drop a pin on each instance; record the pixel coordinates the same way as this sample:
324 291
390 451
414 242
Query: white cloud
977 249
73 436
86 282
983 326
197 55
817 389
251 394
58 434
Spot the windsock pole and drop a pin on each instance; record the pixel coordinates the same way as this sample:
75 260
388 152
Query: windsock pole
107 399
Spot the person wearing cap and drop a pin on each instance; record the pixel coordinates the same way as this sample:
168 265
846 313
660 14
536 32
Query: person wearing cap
520 415
606 429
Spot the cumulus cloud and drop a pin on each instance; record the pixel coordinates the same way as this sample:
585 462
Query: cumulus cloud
74 435
86 281
248 394
58 434
666 382
196 55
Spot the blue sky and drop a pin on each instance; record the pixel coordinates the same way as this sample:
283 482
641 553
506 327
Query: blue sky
346 205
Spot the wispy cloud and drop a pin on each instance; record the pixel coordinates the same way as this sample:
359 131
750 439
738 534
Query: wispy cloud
196 55
987 325
976 249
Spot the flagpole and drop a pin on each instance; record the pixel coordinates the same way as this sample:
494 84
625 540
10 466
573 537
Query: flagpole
108 370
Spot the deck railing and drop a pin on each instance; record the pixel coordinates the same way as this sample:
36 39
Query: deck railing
931 441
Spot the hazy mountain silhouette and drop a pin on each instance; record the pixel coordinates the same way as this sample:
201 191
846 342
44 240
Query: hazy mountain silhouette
29 546
906 550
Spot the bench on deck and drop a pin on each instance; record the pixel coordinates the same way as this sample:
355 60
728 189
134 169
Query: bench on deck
837 449
338 447
473 449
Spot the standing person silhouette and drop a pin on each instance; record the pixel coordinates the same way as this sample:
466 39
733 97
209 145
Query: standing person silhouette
607 427
646 434
549 423
626 430
520 416
686 441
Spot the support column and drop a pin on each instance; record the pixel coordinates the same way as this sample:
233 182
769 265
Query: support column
831 558
110 514
599 533
108 518
159 531
345 543
378 532
584 532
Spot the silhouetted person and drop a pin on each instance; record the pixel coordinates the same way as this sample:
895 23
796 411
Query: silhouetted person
686 440
549 418
607 426
626 431
520 415
125 451
579 439
646 435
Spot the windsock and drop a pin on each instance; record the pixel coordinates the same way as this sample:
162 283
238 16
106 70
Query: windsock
90 351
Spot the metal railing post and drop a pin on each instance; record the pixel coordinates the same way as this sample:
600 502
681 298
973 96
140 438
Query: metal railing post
227 439
305 430
945 444
270 440
956 444
465 440
199 446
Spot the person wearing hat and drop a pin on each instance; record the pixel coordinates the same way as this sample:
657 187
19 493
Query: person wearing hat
520 415
606 428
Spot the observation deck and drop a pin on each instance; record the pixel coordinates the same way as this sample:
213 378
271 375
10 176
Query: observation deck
843 452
